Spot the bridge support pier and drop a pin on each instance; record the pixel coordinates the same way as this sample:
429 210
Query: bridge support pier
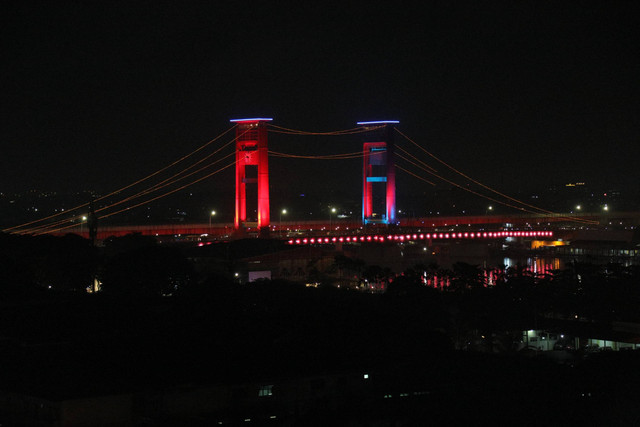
252 168
378 167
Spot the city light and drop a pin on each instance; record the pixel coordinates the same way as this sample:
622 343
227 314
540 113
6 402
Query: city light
213 213
282 212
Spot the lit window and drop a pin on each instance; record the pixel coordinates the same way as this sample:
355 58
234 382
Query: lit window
265 390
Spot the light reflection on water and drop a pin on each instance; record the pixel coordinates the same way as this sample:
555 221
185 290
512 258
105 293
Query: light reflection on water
441 279
540 266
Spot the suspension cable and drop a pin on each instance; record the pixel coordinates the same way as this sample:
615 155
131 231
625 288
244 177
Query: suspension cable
415 158
146 201
127 186
144 192
168 181
413 174
353 155
280 129
489 188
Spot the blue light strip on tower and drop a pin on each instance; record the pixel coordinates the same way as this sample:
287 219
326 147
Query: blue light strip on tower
257 119
379 122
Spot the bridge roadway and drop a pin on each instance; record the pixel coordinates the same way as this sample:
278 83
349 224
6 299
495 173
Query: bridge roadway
343 227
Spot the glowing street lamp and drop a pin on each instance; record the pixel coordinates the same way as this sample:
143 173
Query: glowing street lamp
213 213
84 219
282 212
332 211
578 207
605 208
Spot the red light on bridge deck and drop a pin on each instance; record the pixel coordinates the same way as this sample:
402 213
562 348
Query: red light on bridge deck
389 237
415 236
368 238
341 239
305 241
382 238
422 236
466 235
290 242
428 236
446 236
484 234
333 239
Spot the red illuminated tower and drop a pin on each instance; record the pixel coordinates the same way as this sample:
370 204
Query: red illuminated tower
252 167
379 166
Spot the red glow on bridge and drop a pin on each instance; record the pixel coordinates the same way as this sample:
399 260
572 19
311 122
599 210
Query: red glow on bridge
251 151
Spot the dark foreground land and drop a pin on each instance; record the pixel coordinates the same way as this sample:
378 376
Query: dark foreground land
282 354
175 339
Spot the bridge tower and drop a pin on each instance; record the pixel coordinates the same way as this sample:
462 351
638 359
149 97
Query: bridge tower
252 167
378 167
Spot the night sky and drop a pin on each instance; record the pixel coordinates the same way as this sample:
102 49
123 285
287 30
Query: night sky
518 94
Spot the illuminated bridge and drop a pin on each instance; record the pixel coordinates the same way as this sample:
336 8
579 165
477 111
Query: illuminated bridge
250 155
434 228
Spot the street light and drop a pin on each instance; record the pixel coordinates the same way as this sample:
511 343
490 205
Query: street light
333 210
84 219
578 207
282 212
213 213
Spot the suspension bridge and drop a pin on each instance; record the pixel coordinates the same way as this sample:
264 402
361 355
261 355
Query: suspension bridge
385 150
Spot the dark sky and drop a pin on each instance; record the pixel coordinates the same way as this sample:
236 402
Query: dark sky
96 94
